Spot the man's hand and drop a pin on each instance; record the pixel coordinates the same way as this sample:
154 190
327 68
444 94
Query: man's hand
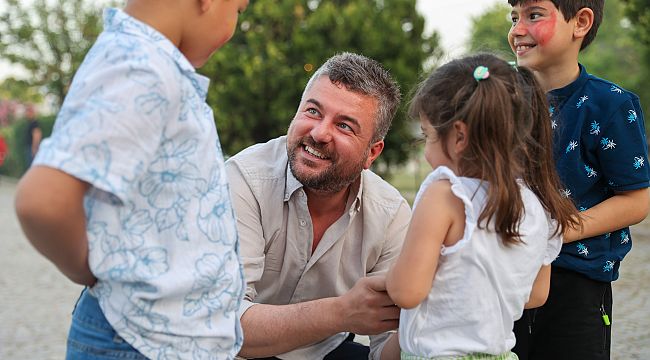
367 309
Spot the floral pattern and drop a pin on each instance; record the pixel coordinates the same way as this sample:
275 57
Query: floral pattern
161 230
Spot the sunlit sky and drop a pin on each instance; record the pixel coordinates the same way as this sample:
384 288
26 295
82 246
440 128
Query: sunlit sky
451 18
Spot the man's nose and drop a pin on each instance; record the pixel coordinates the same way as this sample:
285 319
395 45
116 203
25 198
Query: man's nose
322 132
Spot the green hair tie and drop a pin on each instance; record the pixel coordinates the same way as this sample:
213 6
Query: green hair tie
481 73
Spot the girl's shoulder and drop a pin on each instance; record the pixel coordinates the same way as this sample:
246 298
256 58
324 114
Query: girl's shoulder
443 193
443 180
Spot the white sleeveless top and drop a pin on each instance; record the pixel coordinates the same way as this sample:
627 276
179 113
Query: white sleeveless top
481 285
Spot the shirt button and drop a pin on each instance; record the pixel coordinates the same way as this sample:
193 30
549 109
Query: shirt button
303 222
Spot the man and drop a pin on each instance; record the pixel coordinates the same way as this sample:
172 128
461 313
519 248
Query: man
317 229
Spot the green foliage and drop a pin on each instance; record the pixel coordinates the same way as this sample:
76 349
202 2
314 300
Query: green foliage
16 136
615 55
489 31
638 14
21 90
48 39
258 78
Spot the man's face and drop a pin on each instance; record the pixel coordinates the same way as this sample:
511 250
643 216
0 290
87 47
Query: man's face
540 36
329 139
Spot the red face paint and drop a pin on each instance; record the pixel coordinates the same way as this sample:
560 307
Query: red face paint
542 31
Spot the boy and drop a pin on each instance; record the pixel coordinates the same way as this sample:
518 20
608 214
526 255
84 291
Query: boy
129 196
601 156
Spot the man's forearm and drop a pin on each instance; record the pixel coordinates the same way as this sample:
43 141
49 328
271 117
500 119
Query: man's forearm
270 330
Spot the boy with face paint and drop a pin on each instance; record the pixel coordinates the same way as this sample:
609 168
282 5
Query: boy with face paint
601 155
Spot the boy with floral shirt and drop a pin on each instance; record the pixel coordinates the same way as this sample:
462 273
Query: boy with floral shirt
601 156
129 196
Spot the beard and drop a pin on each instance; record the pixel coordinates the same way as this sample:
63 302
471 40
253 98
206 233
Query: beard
339 174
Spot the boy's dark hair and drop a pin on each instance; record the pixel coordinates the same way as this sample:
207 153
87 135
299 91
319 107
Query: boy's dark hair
569 9
509 136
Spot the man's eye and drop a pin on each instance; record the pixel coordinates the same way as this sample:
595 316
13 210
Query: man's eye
345 126
312 111
535 16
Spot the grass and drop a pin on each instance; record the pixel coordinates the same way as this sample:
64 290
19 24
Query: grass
407 178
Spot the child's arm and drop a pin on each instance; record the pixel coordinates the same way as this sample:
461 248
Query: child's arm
49 205
619 211
541 286
439 215
391 349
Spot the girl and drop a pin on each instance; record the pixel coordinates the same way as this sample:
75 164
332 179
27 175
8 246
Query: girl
486 222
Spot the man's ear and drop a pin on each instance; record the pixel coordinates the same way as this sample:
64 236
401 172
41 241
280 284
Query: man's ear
375 149
461 138
584 20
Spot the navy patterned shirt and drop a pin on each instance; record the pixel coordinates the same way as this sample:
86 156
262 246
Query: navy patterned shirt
600 148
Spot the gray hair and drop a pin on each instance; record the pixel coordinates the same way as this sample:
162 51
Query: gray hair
365 76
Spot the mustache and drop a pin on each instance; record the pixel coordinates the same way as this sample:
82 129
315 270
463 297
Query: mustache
320 147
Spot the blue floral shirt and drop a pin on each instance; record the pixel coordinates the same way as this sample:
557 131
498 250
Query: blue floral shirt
160 224
600 149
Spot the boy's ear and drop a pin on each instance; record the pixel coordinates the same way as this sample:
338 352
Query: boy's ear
584 20
461 136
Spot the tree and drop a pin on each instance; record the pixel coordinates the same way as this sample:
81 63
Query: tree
20 90
258 78
489 31
638 13
48 39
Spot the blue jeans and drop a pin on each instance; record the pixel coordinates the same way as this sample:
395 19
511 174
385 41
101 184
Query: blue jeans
91 337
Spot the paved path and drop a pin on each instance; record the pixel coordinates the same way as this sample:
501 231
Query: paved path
36 300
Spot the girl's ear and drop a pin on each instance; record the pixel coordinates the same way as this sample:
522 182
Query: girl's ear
584 20
461 137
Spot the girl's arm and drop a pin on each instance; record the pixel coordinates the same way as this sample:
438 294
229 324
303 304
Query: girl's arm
437 219
541 286
391 349
49 205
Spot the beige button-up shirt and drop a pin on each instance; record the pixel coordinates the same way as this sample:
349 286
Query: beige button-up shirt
276 236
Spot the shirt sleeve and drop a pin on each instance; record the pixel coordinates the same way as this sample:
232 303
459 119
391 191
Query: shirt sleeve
249 226
396 232
554 245
623 152
111 123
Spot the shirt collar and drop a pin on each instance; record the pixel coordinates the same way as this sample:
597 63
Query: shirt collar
570 89
116 20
